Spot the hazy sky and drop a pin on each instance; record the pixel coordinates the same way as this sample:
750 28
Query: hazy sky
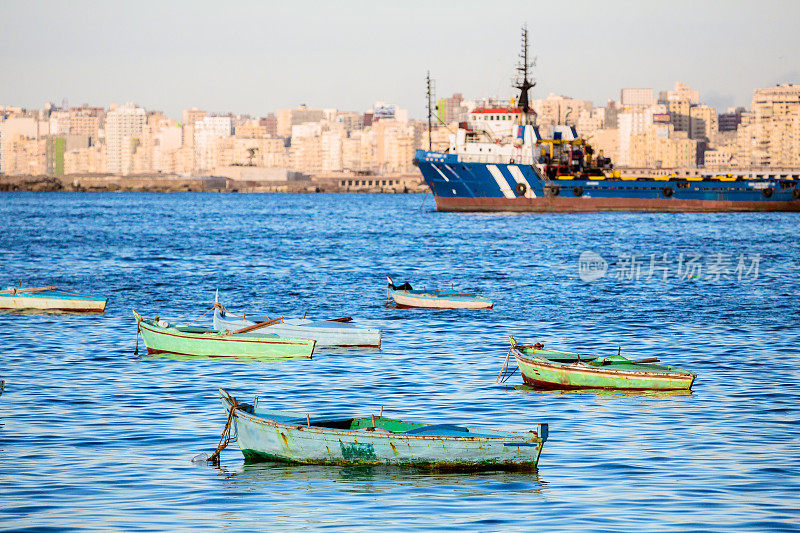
257 56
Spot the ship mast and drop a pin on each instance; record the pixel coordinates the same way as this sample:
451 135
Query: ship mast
522 82
431 89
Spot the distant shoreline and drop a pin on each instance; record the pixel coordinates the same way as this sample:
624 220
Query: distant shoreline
170 183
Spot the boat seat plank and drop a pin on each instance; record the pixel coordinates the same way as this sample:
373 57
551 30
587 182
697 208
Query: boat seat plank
194 329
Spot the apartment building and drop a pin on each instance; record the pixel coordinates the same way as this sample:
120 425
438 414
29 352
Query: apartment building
286 118
775 125
207 134
703 124
124 127
557 109
640 98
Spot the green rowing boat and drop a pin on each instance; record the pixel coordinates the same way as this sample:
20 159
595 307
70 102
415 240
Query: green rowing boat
553 369
161 337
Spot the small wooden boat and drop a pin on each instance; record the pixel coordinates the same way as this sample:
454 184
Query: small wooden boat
327 333
268 435
50 299
162 337
406 297
552 369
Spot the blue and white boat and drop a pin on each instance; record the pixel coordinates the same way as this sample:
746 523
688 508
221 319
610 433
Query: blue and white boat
406 297
50 299
500 160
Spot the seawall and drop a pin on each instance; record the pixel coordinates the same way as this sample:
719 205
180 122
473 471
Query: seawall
171 183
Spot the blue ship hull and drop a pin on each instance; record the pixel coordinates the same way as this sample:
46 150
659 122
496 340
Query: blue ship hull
471 186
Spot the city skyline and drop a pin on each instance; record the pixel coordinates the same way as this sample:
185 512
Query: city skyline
254 58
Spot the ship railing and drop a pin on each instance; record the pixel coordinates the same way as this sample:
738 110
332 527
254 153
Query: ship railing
496 159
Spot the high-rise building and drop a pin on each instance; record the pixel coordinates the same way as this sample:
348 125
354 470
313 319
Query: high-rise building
679 102
636 122
11 130
557 109
731 119
190 116
703 123
776 126
124 127
451 109
207 133
681 92
637 98
270 122
286 118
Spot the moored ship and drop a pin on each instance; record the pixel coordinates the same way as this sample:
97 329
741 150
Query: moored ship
500 160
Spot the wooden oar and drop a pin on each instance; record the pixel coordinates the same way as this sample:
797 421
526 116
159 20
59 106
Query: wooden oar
257 326
29 290
645 360
343 319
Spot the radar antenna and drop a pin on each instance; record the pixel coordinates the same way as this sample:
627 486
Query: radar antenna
522 82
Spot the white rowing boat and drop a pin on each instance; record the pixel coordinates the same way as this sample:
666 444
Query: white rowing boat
327 333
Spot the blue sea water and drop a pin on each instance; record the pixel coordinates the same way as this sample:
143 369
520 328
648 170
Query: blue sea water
95 437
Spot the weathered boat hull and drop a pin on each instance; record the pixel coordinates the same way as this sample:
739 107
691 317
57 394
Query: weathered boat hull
262 439
432 300
542 373
325 332
170 340
53 301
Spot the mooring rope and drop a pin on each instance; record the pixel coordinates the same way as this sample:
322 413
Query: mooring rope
201 316
506 378
503 368
225 438
138 329
502 377
225 311
216 305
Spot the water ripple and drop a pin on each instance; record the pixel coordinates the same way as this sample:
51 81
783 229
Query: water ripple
95 437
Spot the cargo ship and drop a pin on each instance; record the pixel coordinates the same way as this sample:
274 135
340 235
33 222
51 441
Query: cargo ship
500 160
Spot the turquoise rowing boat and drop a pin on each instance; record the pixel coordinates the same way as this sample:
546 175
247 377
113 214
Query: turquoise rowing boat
270 435
161 337
553 369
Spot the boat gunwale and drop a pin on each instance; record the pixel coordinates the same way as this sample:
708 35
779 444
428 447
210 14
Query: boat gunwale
350 330
143 324
531 436
464 297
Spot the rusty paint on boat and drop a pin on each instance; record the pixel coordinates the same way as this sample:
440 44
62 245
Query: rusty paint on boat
553 369
268 435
